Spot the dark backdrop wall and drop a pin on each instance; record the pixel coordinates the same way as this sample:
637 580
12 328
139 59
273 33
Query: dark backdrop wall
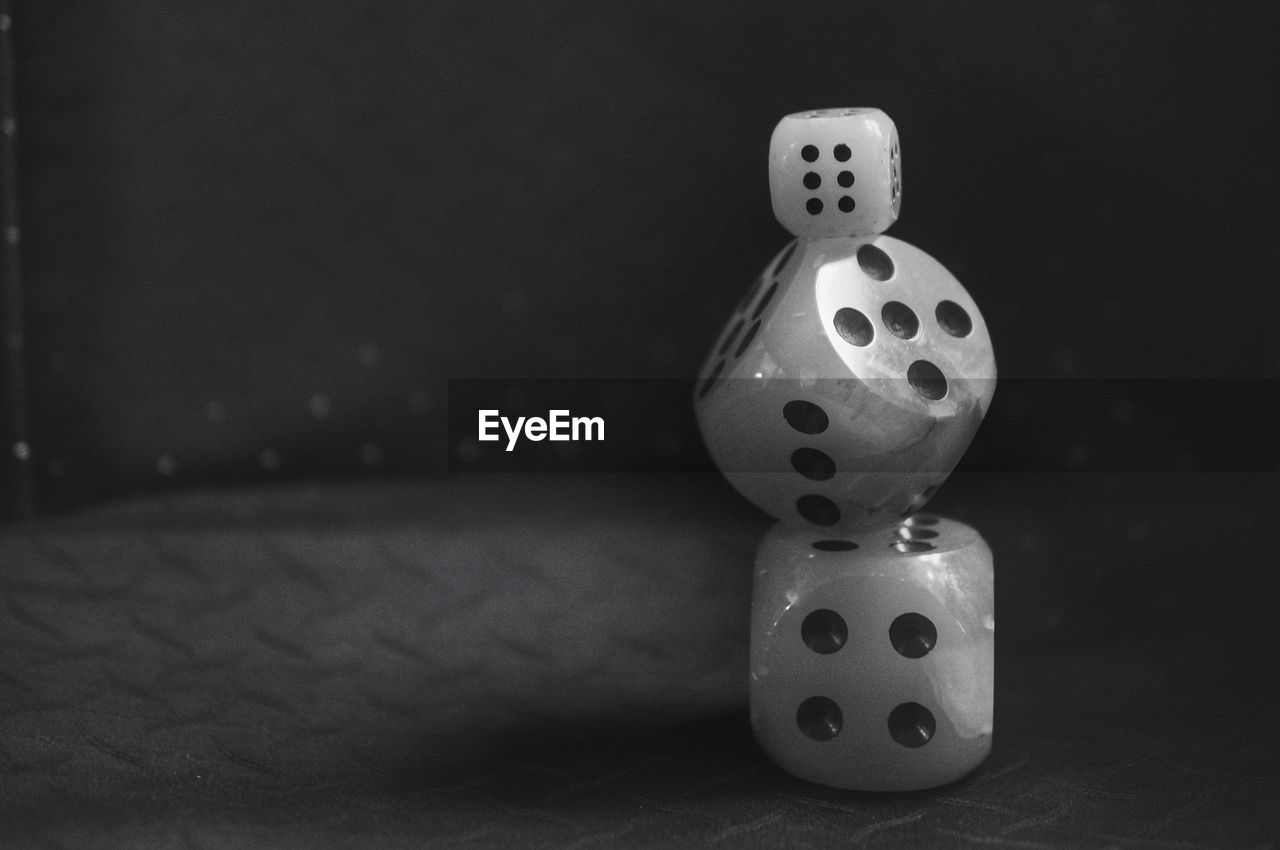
259 238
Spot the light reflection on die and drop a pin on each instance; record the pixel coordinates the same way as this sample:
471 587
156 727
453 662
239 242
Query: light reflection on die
872 655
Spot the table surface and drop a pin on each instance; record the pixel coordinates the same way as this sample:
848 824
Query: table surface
546 661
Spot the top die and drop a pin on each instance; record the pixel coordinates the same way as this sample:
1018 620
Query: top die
835 172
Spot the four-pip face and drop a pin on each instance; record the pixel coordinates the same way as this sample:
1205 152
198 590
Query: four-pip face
835 172
873 654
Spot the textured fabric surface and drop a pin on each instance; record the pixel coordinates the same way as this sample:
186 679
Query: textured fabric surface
552 662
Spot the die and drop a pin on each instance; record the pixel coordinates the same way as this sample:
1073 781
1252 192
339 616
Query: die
835 172
872 655
847 384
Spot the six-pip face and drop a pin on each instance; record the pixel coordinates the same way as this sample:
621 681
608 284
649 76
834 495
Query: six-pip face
835 172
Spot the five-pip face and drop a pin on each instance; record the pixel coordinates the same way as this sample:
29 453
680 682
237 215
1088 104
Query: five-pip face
835 172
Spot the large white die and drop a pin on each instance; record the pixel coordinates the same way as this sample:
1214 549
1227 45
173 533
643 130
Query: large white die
835 172
872 656
847 384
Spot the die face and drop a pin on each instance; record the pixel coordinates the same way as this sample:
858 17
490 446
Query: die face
835 172
872 667
848 384
900 320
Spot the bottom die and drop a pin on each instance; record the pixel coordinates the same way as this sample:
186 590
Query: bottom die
872 656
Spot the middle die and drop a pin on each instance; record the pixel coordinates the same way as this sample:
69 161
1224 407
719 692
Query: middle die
848 383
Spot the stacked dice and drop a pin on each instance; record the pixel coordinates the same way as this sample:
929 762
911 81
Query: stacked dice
839 397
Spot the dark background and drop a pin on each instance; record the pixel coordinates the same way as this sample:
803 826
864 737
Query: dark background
259 239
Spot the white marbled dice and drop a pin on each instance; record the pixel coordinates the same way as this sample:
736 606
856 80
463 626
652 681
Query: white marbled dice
872 656
847 384
835 172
